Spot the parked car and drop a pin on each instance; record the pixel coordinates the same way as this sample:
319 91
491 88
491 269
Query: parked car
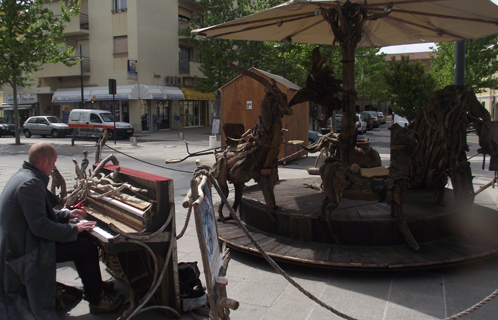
7 129
375 119
368 120
313 136
338 122
381 117
402 121
45 126
361 124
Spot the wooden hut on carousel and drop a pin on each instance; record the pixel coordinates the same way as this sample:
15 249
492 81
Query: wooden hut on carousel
241 106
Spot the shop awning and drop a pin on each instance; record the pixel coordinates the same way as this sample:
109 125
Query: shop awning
149 92
70 95
124 92
191 94
20 106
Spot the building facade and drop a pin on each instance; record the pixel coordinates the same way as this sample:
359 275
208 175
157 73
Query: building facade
137 44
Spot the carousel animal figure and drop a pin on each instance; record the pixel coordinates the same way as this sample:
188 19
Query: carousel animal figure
442 126
255 156
340 180
328 146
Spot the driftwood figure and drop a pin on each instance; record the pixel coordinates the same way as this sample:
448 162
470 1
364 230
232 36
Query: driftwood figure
340 180
442 126
58 182
321 87
255 157
328 146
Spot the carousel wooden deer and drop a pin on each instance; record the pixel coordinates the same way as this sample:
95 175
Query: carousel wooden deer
340 180
255 156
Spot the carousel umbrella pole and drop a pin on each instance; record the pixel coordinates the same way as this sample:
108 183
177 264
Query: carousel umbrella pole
346 22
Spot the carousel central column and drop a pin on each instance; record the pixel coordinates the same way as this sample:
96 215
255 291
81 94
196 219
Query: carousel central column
347 138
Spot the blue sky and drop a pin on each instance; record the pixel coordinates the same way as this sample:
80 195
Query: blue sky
420 47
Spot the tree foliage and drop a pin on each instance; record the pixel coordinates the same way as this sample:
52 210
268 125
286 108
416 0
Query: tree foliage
370 66
216 53
28 39
480 64
410 85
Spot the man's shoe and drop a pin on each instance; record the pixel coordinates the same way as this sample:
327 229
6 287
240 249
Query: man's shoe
109 303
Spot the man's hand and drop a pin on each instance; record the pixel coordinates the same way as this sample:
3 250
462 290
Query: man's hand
85 225
77 213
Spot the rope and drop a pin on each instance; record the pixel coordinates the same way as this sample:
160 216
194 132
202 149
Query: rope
474 307
269 259
152 164
186 223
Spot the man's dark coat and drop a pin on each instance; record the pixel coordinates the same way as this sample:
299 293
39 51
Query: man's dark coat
29 228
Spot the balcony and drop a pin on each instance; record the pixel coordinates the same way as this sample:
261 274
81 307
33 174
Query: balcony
182 25
51 70
77 26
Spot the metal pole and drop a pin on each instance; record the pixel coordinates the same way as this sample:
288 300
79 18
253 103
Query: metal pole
114 116
460 63
81 80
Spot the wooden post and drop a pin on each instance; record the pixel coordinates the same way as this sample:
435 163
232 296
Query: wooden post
194 185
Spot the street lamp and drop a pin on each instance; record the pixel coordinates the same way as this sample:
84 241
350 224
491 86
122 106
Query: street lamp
283 54
81 80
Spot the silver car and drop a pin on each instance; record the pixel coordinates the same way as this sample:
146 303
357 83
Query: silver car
45 126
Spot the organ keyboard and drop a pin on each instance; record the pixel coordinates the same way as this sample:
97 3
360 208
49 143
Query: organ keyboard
131 225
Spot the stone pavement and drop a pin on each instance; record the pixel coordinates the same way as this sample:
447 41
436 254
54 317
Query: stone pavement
263 294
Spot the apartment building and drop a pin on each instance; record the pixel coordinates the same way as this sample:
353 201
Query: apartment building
137 44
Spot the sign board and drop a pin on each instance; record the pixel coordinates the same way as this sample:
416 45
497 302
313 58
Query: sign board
249 105
216 126
210 233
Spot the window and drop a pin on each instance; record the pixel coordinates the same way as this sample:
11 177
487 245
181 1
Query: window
184 60
121 46
95 118
118 6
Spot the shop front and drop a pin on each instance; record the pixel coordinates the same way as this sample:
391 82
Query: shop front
156 105
27 104
195 111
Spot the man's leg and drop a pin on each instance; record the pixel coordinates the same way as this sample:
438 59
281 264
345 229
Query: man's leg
86 258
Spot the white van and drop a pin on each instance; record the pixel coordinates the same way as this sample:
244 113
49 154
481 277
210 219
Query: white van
90 122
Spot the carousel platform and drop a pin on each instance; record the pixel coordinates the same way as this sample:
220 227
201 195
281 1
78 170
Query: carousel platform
367 233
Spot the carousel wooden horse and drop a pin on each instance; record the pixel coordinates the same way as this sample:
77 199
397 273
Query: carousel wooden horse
340 180
255 156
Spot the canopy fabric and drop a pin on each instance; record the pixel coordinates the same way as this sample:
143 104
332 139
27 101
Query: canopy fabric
408 22
124 92
191 94
10 106
149 92
70 95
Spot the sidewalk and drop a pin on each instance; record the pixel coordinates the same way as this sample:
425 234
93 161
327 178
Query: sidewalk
263 294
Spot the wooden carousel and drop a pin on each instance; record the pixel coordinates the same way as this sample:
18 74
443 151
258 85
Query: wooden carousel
358 214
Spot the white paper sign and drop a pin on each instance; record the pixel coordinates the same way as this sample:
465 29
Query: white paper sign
249 104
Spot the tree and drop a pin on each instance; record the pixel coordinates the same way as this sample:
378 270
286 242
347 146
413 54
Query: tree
216 53
410 85
369 69
28 39
480 64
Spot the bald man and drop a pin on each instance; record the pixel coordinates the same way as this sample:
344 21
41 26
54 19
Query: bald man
33 237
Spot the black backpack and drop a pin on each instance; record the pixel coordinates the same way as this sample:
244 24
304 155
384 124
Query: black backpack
190 284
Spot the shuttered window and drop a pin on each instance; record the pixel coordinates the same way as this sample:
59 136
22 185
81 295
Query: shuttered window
120 46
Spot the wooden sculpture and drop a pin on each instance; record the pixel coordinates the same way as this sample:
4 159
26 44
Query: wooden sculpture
339 180
255 156
442 126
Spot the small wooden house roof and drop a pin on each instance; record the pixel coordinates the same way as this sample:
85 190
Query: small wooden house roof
286 83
